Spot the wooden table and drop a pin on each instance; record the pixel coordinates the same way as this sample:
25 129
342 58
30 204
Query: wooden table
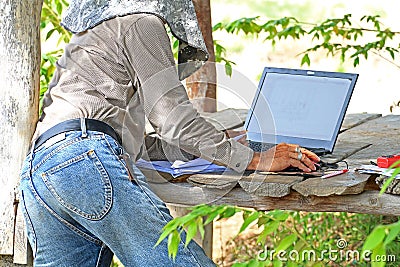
363 138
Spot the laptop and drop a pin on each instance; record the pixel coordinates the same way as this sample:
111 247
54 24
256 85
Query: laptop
304 107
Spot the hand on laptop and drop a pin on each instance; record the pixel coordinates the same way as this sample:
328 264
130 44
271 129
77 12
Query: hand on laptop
283 156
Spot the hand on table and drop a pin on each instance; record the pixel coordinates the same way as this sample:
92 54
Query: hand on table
283 156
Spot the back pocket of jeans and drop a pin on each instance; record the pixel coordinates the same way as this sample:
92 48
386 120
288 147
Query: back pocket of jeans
81 185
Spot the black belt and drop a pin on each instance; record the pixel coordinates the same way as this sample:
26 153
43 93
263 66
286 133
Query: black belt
77 125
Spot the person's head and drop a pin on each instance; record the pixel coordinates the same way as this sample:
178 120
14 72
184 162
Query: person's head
178 14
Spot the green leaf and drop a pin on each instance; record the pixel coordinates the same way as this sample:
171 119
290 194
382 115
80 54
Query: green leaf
263 220
378 253
305 60
175 44
299 245
59 8
389 181
252 263
228 69
356 61
279 215
218 26
268 229
228 211
49 33
375 238
191 232
251 218
286 242
211 217
394 231
167 229
173 243
391 52
199 222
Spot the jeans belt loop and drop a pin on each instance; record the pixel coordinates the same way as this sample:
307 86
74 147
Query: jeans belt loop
83 128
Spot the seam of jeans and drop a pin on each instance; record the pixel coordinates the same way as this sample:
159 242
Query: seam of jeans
101 254
108 191
66 163
61 147
110 146
122 162
63 221
117 156
28 222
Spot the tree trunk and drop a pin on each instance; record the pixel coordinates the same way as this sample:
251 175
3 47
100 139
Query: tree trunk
201 85
19 78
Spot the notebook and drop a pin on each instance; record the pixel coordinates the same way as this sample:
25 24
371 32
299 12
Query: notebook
303 107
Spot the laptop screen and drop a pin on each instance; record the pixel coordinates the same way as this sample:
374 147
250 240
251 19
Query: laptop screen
300 106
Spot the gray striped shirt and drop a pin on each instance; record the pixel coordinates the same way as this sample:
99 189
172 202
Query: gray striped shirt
122 71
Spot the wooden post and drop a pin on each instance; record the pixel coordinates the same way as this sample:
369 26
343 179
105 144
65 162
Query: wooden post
202 84
202 88
19 79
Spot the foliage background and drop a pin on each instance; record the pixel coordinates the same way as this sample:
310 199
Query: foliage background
376 88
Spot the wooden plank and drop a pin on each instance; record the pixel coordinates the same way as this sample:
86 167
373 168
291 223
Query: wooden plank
258 184
382 133
226 119
269 185
345 184
22 250
344 149
369 201
218 181
353 120
7 261
19 77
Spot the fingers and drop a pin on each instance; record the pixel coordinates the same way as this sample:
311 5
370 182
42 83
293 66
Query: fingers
310 155
284 155
303 158
300 165
296 148
307 162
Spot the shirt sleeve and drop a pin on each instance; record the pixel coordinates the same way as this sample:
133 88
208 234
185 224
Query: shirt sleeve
165 101
158 149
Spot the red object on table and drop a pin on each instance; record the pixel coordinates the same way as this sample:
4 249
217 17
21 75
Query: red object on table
387 161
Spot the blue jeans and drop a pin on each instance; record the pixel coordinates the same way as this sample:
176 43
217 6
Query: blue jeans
81 208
